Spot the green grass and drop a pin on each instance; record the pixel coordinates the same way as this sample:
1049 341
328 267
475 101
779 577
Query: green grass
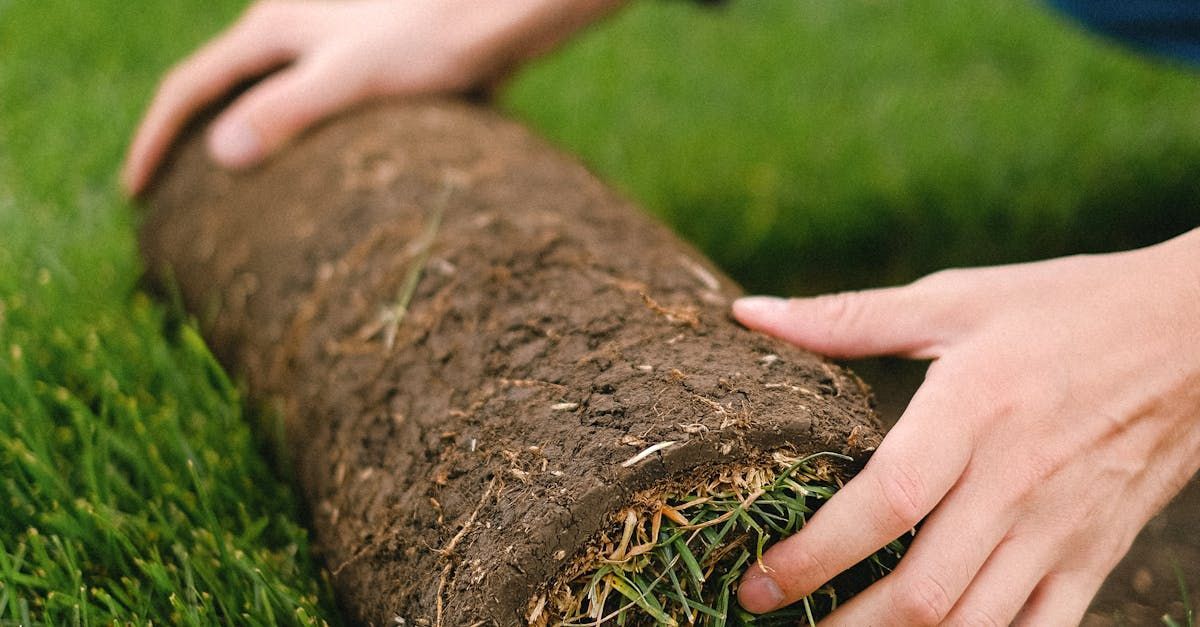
813 145
804 145
1188 618
131 486
677 559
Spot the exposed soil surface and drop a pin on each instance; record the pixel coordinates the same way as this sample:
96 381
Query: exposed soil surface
1145 585
471 339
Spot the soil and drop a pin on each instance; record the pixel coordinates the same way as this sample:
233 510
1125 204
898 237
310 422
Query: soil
456 456
461 441
1146 584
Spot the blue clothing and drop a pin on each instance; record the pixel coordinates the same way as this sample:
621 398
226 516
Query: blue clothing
1165 27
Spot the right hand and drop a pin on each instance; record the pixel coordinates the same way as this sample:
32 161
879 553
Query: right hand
330 55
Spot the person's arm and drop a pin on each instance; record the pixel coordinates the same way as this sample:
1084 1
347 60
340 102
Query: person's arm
329 55
1061 412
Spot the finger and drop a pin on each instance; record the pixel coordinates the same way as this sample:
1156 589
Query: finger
1060 599
277 109
954 543
255 45
902 483
895 320
1005 582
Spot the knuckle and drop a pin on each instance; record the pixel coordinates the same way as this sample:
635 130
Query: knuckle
941 280
812 568
954 298
174 77
840 309
904 495
263 11
174 84
267 16
922 600
1037 468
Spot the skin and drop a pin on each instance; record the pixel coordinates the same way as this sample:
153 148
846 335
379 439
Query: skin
320 58
1058 415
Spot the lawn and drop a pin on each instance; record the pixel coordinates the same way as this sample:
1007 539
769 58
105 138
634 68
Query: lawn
803 145
815 145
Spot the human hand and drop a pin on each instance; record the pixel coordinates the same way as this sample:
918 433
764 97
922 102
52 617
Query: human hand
333 54
1061 412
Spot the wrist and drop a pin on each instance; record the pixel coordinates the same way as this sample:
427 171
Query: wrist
498 36
1184 253
1190 242
1183 257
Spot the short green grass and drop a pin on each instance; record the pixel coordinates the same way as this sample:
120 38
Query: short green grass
678 558
808 146
132 489
804 145
1187 616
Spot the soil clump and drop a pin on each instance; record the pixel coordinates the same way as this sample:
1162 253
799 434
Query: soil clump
471 340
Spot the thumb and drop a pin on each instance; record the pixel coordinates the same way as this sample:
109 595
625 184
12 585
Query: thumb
278 109
889 321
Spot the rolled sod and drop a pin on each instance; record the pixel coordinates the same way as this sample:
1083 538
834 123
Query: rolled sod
488 363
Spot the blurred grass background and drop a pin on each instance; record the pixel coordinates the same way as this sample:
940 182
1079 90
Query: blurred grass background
809 146
805 146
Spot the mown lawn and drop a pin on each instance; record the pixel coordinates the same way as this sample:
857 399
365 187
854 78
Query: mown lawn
803 145
132 487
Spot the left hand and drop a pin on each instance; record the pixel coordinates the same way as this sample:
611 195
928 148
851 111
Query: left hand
324 56
1060 413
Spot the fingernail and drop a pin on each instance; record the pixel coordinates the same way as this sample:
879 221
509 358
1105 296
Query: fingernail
235 144
758 306
759 594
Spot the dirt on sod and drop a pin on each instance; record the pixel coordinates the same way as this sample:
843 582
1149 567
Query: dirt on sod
482 353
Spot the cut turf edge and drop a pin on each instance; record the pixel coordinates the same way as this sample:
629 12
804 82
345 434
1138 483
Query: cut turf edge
675 557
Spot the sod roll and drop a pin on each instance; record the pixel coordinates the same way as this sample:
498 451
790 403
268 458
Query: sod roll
483 355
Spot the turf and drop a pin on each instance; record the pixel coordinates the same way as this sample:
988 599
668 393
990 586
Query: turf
132 488
677 558
804 145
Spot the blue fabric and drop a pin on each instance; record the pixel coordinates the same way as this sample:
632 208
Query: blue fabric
1165 27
